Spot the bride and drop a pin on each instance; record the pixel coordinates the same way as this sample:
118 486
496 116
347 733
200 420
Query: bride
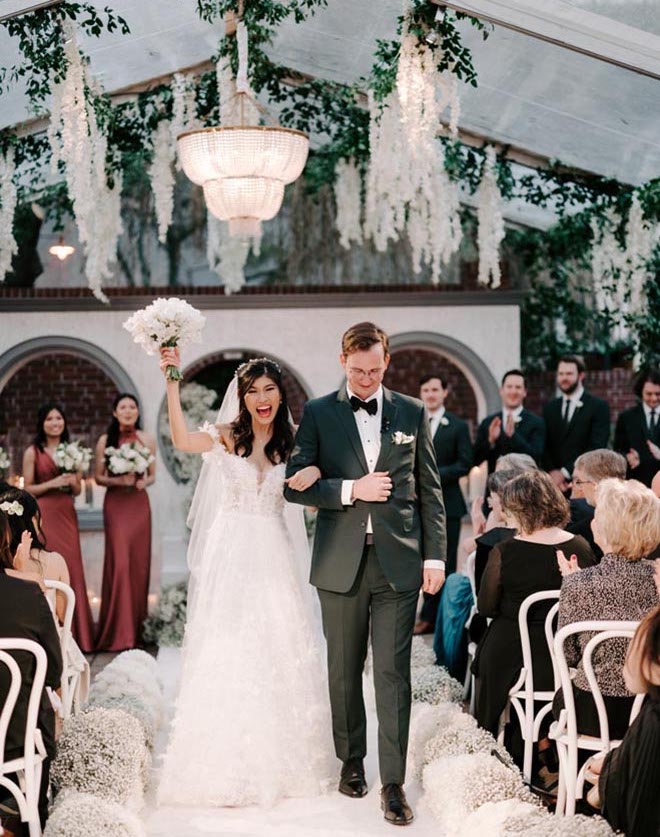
252 719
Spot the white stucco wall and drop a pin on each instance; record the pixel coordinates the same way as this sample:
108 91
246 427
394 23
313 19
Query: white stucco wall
307 339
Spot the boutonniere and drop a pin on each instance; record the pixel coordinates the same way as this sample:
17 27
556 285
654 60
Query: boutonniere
444 421
517 420
578 404
400 438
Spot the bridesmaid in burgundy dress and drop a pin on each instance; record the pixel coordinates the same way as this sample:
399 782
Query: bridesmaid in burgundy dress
127 522
59 523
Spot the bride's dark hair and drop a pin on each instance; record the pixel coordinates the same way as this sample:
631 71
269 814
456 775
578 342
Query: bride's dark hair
280 443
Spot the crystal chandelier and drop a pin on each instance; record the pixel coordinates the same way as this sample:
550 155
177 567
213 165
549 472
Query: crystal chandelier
243 169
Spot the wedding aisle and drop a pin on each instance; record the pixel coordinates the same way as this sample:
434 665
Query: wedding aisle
321 817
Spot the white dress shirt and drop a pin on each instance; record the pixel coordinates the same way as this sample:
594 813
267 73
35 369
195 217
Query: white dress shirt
369 429
647 413
506 412
573 399
434 419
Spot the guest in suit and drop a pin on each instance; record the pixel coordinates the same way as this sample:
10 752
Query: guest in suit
637 433
513 429
25 615
575 422
590 469
453 453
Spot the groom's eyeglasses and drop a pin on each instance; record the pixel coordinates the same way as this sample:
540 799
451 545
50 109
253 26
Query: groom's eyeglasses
365 373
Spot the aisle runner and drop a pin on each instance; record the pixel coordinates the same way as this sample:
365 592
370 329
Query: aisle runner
328 816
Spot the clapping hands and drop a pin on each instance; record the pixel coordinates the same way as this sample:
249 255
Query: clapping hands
567 566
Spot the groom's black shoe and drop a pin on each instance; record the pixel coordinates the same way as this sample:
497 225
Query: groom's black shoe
352 781
394 804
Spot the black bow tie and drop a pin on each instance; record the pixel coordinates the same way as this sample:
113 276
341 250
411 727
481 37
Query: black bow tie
370 406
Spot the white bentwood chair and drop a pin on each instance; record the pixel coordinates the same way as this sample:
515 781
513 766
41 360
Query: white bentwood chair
468 684
564 731
75 672
28 767
522 694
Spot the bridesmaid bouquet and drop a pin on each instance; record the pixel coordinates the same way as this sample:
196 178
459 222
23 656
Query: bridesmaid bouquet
166 323
72 457
4 461
129 458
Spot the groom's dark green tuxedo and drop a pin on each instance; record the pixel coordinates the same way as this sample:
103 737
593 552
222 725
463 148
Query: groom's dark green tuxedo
361 586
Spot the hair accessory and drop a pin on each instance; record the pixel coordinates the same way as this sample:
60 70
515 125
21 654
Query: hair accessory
245 365
12 508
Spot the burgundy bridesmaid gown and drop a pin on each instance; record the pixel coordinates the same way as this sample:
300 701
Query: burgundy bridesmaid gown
127 564
60 526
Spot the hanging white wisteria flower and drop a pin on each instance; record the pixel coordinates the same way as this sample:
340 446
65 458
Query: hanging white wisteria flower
83 815
8 198
348 197
227 254
608 268
161 174
455 786
183 110
77 142
641 239
490 224
434 684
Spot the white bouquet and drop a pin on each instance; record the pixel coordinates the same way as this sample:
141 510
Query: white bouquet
72 457
4 461
129 458
166 322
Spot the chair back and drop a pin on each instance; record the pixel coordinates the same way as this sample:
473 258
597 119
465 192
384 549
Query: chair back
603 630
525 643
34 701
70 596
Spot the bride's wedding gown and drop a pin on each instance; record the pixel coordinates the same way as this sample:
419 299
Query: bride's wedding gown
252 719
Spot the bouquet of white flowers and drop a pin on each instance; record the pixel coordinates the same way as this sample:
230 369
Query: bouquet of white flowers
129 458
72 457
166 322
4 461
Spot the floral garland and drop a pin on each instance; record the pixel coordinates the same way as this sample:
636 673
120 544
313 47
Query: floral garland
8 198
491 224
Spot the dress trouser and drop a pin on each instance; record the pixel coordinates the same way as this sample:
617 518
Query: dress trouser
429 610
371 602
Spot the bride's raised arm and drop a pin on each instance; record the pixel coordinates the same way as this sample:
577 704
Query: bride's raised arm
182 438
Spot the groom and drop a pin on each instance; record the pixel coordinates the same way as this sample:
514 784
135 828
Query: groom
380 535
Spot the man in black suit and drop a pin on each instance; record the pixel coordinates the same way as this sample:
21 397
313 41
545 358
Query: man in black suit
513 429
24 614
453 453
637 434
575 422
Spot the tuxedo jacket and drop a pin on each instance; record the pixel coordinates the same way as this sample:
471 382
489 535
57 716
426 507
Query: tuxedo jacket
528 437
453 453
588 429
24 614
407 528
632 432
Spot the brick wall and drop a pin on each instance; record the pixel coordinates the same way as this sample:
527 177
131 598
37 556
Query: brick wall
85 391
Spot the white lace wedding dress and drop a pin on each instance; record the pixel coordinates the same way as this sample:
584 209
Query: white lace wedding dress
252 720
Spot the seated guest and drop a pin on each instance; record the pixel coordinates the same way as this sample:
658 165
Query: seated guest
25 615
626 526
516 568
637 433
589 470
498 527
627 791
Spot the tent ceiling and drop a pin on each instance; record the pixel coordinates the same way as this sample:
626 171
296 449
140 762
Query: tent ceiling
533 95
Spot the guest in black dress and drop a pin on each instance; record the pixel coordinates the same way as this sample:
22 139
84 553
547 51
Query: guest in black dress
630 774
525 564
627 528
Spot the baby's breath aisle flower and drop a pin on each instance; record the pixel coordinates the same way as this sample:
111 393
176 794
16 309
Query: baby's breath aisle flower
103 752
433 684
426 720
459 740
422 654
121 681
166 322
513 818
83 815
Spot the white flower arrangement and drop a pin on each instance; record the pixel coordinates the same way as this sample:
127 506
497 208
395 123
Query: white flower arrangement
166 322
532 821
11 509
491 224
433 684
133 706
129 458
166 626
72 457
426 719
8 199
348 197
456 786
103 752
138 658
455 741
493 817
421 653
83 815
401 438
129 681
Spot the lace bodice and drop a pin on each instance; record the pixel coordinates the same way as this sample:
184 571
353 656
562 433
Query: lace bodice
245 489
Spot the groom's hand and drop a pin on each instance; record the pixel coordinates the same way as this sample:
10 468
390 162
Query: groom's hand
433 581
373 488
